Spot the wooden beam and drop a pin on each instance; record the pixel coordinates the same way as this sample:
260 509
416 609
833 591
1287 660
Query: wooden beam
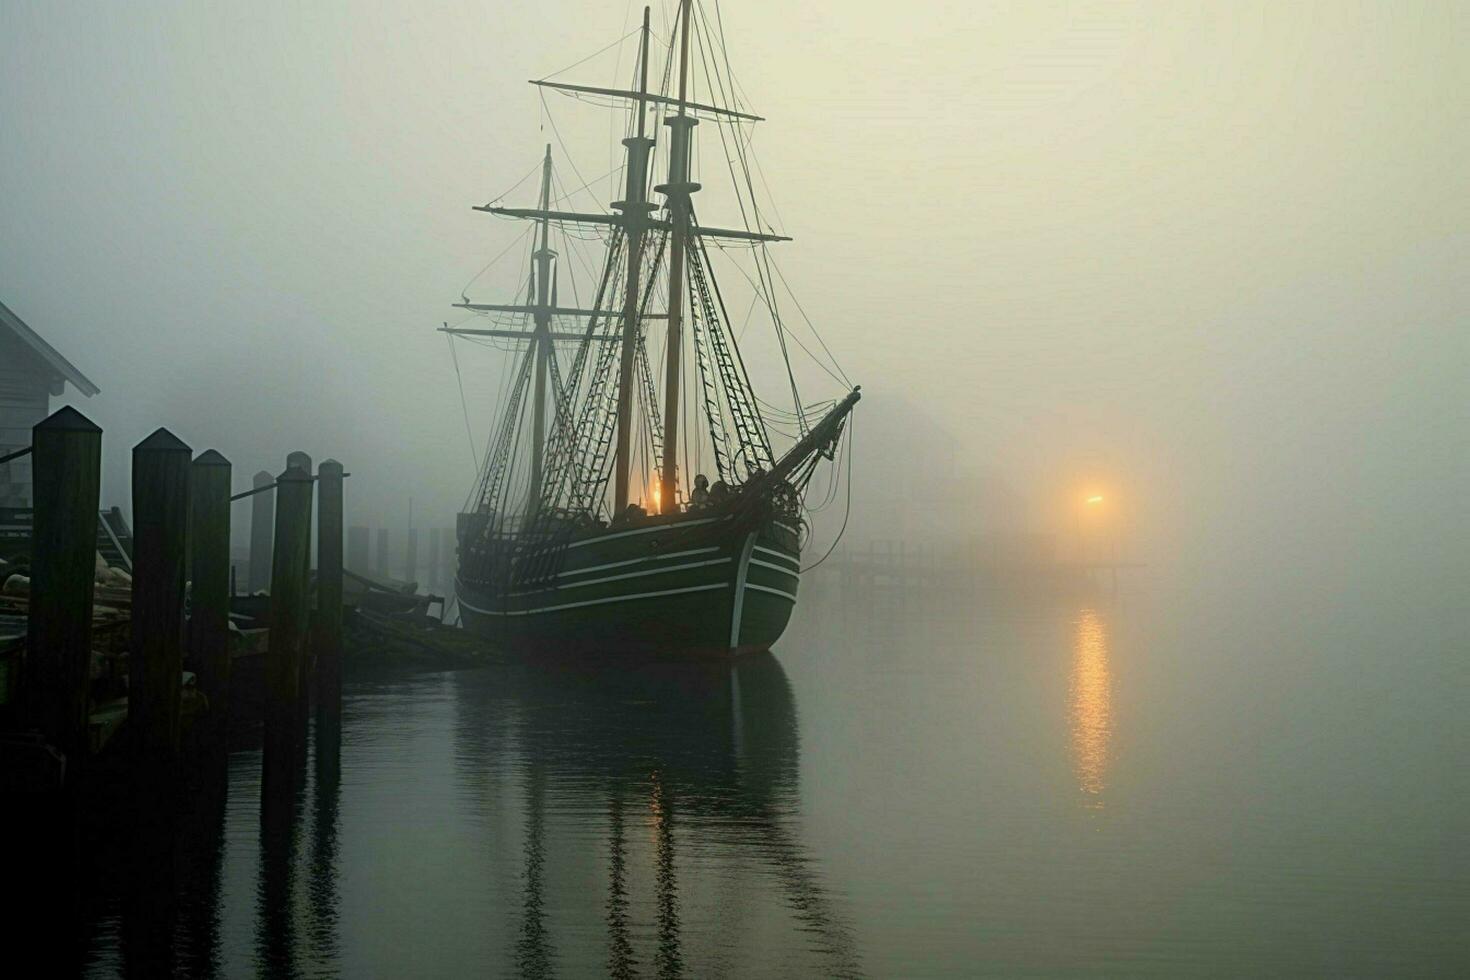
585 217
647 97
522 334
550 310
749 236
592 217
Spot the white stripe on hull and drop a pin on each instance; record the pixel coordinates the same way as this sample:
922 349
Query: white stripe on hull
590 602
635 561
558 585
775 568
766 588
681 525
773 553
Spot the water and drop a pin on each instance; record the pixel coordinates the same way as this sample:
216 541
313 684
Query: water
1146 782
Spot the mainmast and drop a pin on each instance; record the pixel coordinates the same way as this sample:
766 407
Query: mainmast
635 209
676 194
541 342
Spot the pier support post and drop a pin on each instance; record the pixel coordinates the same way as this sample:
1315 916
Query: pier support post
329 587
209 598
262 532
411 556
156 661
449 558
288 625
66 460
299 460
357 551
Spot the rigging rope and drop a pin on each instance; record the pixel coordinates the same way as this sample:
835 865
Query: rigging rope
846 514
464 405
562 71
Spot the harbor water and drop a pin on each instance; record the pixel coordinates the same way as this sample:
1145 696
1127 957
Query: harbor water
1143 780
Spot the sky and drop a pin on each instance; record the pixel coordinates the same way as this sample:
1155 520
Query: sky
1205 259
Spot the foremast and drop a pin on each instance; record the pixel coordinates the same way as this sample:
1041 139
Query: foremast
545 300
635 210
676 193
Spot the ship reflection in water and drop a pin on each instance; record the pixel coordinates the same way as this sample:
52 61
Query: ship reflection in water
652 797
527 821
1091 707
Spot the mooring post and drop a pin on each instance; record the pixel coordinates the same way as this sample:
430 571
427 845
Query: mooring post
448 557
299 460
288 624
357 550
156 659
411 556
262 533
66 458
302 461
211 575
329 587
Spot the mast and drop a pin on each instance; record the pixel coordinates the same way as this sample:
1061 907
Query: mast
541 342
635 209
676 194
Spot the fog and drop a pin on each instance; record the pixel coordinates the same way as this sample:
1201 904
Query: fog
1208 261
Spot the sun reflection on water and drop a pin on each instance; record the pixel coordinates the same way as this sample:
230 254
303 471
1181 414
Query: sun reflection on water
1091 707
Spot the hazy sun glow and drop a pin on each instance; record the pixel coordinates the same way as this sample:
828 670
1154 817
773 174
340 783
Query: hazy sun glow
1095 499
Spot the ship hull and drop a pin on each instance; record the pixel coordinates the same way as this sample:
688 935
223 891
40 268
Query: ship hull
685 585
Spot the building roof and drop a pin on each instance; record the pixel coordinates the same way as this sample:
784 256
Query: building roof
63 368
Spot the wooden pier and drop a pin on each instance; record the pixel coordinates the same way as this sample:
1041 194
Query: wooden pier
166 614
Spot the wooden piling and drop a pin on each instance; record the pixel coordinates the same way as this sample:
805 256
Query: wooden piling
302 461
210 573
299 460
411 556
357 551
262 533
288 625
66 459
446 558
156 661
329 587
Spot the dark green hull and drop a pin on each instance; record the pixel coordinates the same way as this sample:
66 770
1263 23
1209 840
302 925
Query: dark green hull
684 584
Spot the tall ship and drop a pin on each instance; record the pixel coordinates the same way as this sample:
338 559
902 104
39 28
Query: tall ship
637 493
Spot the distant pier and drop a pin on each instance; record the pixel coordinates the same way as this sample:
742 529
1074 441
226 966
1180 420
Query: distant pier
896 565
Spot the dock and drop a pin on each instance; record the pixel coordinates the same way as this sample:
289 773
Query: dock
121 647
